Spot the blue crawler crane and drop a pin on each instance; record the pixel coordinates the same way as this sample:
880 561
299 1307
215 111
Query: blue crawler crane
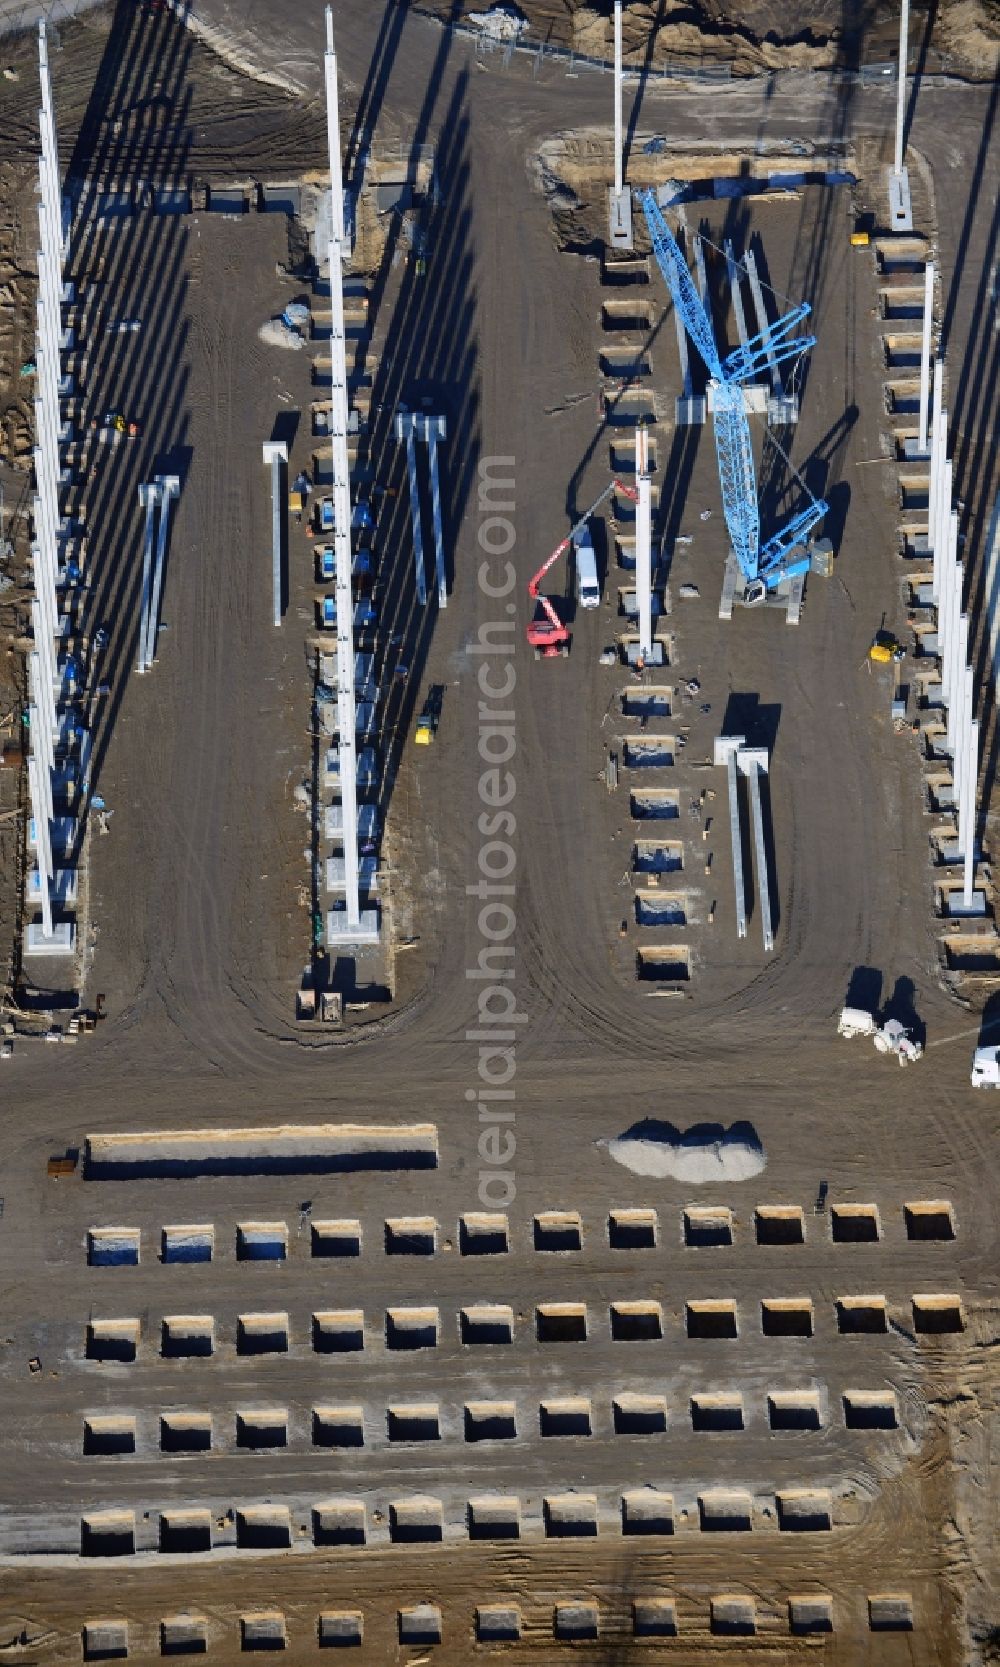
782 557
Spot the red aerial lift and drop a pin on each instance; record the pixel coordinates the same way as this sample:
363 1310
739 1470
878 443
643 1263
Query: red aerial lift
549 637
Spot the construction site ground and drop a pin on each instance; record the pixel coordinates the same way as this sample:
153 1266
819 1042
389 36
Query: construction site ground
201 934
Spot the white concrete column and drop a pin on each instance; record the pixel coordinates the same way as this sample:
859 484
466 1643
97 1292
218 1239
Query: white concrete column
904 29
991 595
969 848
619 180
957 698
925 355
643 543
333 138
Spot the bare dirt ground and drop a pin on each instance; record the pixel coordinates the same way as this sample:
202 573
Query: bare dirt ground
762 35
197 953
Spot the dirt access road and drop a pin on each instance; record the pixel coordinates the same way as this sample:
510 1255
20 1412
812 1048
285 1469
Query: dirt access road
198 1036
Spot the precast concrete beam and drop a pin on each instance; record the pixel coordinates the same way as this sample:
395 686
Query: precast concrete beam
405 431
726 750
169 486
276 453
753 763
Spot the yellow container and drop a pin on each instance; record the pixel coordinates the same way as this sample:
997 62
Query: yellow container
860 240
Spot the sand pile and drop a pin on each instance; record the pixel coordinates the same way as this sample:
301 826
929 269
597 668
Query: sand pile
704 1153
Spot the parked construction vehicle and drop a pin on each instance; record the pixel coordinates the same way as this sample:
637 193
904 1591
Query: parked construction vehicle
430 717
985 1068
547 635
889 1037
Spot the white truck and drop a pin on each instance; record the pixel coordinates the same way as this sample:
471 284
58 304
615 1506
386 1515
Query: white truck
985 1068
888 1037
587 586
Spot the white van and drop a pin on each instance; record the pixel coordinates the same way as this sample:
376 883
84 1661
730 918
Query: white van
588 589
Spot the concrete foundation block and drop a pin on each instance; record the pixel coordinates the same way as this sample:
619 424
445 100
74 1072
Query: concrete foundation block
62 941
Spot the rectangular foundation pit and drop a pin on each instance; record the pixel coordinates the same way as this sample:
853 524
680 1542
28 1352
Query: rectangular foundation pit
497 1623
338 1426
113 1247
929 1219
651 752
263 1528
483 1234
624 364
186 1432
107 1534
338 1331
632 1229
570 1416
487 1323
412 1328
420 1626
257 1430
786 1317
261 1241
262 1333
108 1436
636 1322
663 964
187 1336
112 1341
636 1414
712 1318
623 453
865 1315
890 1612
561 1322
810 1612
654 1618
732 1616
413 1421
416 1521
339 1522
569 1516
779 1224
494 1516
716 1413
335 1239
647 702
263 1631
708 1226
557 1230
625 273
654 804
187 1243
936 1313
287 1149
105 1640
183 1634
854 1224
805 1511
791 1410
629 409
490 1421
628 314
575 1622
870 1409
654 856
185 1532
411 1236
725 1511
341 1629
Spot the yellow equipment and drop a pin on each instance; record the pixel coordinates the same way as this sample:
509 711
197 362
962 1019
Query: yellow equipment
860 240
424 733
886 649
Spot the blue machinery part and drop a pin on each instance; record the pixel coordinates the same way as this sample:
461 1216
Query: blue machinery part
764 568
